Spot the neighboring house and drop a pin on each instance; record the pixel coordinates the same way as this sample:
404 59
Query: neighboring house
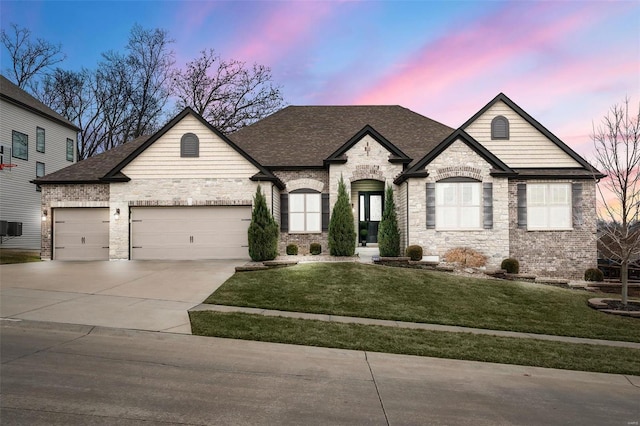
35 141
501 184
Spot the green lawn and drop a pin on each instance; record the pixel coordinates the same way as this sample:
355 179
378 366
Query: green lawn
18 256
354 289
465 346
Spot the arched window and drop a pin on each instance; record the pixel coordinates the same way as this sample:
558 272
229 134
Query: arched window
500 128
189 145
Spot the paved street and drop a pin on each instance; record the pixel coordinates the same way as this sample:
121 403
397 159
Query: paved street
65 374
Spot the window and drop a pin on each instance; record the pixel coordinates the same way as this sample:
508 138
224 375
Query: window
305 212
500 128
39 172
458 205
189 145
20 145
39 139
549 206
69 149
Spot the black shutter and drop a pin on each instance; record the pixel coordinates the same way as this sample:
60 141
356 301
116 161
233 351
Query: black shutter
284 212
522 205
325 212
576 203
487 205
431 206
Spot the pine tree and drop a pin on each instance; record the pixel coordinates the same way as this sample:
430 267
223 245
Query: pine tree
263 231
388 232
342 233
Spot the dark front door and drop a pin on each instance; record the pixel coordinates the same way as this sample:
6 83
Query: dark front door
370 205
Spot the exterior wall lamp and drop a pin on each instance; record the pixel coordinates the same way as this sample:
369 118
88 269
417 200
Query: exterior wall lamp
116 215
44 215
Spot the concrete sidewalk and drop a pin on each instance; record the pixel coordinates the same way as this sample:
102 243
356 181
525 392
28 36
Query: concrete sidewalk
415 325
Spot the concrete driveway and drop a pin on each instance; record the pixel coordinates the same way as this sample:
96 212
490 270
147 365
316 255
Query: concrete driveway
143 295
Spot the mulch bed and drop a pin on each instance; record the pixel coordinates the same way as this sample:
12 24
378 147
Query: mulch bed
618 306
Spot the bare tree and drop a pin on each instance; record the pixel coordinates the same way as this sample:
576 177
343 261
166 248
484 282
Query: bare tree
227 93
617 154
29 58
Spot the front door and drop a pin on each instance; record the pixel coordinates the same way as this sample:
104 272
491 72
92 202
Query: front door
371 205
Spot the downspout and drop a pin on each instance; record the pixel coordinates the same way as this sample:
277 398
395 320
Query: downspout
406 221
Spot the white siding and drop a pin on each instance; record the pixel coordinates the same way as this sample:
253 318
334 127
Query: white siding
526 146
401 205
217 159
19 200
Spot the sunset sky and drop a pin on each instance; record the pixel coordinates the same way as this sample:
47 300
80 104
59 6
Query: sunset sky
564 62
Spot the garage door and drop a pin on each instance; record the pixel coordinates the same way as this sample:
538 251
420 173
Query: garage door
81 234
190 233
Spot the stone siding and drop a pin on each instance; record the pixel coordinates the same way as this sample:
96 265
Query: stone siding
59 196
563 254
311 175
459 160
303 241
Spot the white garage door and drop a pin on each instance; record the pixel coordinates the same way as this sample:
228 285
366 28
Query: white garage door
190 233
81 234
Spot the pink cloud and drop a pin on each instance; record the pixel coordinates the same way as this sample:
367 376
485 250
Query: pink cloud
479 52
283 27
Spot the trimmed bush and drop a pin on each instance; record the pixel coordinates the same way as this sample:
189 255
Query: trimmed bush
315 248
593 274
466 257
388 232
342 233
263 231
512 266
292 249
414 252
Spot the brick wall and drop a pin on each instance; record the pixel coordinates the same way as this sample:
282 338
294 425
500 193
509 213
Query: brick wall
564 254
58 196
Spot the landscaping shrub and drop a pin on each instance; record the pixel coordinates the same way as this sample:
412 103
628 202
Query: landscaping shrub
263 231
512 266
414 252
388 232
466 257
315 248
593 274
292 249
342 233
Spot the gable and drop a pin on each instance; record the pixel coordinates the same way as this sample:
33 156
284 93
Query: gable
526 147
216 158
368 142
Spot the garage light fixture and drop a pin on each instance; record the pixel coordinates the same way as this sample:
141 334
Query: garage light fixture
116 215
44 215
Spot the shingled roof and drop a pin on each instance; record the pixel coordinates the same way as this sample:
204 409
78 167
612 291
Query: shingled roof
12 93
93 169
304 136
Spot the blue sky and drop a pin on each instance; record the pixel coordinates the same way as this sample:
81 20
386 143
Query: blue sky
564 62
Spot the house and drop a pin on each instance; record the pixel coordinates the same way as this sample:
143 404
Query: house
35 141
501 184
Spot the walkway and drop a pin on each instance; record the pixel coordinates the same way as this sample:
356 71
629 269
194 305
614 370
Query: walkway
415 325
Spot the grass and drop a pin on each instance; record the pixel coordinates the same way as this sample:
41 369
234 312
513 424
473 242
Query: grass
371 291
463 346
8 256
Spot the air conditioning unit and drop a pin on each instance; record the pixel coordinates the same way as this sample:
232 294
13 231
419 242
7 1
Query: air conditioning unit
4 228
14 229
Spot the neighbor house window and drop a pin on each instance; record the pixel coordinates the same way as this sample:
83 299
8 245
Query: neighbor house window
500 128
39 139
20 145
39 172
189 145
458 205
548 206
69 149
305 214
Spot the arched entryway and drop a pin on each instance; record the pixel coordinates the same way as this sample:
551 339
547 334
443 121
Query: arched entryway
367 198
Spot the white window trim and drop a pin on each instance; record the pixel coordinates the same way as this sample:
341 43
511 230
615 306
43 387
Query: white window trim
458 205
547 205
306 213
